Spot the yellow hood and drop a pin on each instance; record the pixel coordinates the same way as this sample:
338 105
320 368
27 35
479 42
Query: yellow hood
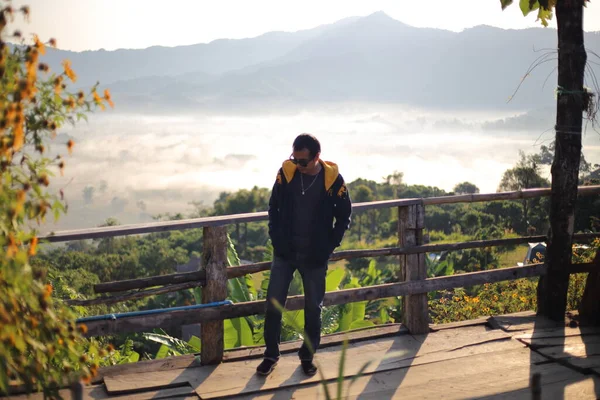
330 168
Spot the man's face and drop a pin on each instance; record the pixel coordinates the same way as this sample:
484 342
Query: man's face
304 162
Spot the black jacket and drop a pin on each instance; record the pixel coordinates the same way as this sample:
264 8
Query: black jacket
335 204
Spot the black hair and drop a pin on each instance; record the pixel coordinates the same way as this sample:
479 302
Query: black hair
308 142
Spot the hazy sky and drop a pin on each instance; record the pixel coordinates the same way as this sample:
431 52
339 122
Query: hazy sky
111 24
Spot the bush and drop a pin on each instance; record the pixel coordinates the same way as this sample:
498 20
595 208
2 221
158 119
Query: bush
40 345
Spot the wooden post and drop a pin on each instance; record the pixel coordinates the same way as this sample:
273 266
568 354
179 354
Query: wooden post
589 310
77 390
570 104
535 383
214 259
412 267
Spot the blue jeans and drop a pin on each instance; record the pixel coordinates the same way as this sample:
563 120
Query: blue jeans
313 281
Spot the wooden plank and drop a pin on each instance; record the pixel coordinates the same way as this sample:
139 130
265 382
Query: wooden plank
180 277
182 391
214 259
152 227
417 349
459 324
176 318
164 226
561 341
125 384
142 283
523 321
135 295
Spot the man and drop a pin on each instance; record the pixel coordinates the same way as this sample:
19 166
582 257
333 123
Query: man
308 195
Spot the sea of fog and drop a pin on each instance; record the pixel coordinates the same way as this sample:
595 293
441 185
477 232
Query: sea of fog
133 167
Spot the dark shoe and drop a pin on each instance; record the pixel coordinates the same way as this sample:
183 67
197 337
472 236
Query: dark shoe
309 368
266 367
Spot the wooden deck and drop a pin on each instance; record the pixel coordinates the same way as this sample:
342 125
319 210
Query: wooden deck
486 358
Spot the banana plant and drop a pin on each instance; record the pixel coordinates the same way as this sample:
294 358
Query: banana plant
436 267
239 331
171 346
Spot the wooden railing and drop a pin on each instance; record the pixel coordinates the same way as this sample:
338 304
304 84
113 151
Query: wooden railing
212 272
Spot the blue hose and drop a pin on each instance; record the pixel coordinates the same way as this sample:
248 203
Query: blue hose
148 312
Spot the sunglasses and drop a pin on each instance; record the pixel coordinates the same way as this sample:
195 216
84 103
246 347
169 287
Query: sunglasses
301 162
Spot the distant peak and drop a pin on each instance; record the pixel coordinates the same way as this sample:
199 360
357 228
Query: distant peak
381 16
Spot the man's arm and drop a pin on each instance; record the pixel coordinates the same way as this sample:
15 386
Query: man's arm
342 213
274 211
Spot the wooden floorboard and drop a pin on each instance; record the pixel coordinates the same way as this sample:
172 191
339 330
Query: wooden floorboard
474 376
459 324
469 359
409 346
384 356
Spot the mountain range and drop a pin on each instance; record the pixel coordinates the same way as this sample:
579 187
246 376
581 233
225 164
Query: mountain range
360 59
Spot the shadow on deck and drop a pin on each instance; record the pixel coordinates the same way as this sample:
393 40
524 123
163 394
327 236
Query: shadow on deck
486 358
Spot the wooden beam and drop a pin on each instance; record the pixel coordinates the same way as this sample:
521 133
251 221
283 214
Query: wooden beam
141 283
120 298
164 226
589 309
214 256
177 318
160 280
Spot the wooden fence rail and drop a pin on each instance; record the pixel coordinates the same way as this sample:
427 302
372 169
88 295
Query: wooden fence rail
188 280
164 226
213 277
177 318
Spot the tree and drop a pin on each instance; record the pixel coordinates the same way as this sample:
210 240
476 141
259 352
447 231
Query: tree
395 182
242 201
547 157
88 194
466 188
361 194
524 175
40 345
572 101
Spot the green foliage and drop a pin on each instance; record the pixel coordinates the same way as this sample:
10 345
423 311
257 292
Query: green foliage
466 188
544 8
504 297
